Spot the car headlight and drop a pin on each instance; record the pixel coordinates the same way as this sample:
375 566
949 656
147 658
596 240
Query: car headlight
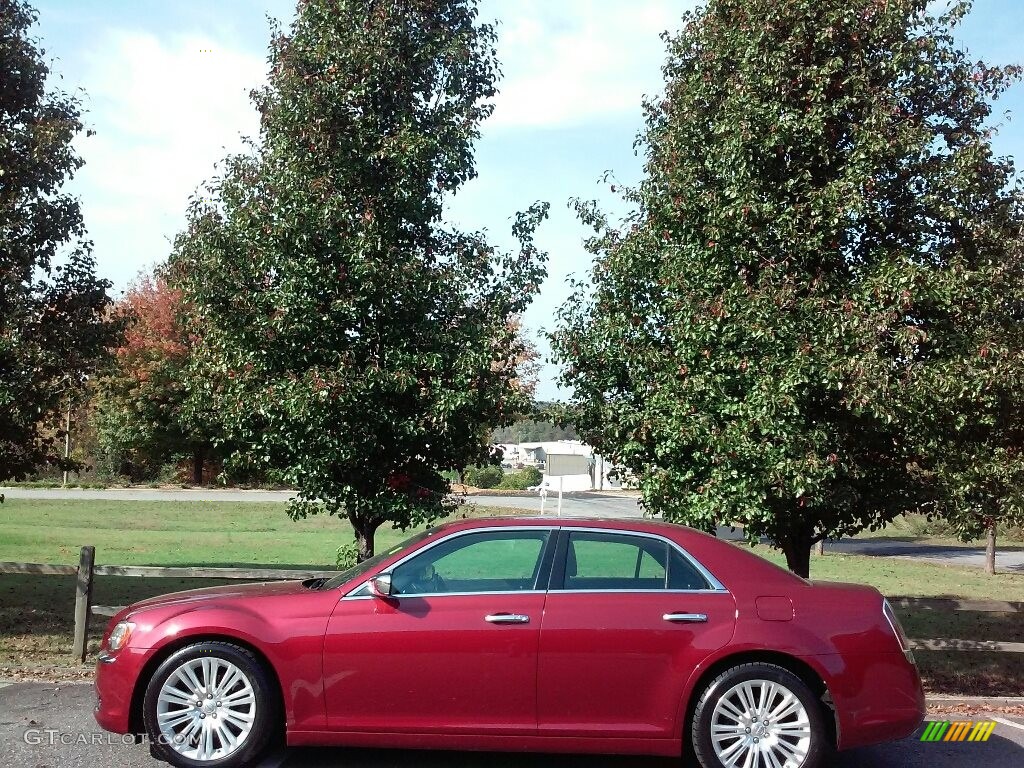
119 635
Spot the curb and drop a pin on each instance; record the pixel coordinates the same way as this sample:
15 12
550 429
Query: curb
944 700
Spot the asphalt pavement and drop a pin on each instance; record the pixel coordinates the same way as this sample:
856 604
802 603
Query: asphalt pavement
580 504
51 726
573 504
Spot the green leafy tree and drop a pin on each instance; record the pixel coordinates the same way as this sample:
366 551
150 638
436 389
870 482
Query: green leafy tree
979 449
771 339
357 344
52 306
545 422
143 415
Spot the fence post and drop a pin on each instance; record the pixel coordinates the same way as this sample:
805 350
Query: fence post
83 602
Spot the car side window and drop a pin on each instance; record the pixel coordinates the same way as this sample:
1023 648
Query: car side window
488 561
682 574
608 561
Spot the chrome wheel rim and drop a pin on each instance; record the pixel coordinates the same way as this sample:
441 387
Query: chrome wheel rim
206 709
760 724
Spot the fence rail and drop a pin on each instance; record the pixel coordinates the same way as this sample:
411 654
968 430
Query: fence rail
87 570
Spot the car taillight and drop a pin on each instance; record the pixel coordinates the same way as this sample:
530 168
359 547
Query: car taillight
897 629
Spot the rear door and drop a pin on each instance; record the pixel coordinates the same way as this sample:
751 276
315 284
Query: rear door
627 618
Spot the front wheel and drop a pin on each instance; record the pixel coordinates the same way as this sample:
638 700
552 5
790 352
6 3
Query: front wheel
210 705
759 716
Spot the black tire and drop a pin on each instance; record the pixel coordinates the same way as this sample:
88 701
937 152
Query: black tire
820 747
266 722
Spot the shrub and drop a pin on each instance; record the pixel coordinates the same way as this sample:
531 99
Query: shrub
528 477
347 556
484 477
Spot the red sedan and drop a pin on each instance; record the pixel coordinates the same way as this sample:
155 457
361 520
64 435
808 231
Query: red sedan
520 634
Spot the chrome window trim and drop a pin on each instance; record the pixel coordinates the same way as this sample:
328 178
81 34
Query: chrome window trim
716 586
353 594
722 591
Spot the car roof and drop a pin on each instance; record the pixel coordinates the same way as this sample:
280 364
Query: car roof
618 523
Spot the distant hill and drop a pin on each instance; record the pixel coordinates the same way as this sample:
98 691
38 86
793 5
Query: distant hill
533 431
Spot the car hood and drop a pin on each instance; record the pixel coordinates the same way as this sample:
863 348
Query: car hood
230 592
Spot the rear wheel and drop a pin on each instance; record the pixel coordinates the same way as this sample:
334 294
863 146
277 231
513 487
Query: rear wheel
759 716
210 705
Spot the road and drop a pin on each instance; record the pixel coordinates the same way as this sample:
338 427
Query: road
46 725
592 504
574 504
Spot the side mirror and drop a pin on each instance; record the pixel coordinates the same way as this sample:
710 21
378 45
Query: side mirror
380 586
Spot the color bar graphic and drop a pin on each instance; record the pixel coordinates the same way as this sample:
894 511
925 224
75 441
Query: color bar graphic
943 730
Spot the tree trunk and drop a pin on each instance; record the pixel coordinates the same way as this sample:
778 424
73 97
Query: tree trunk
365 530
797 549
819 548
990 550
198 461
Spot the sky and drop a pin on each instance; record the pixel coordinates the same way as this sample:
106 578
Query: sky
165 88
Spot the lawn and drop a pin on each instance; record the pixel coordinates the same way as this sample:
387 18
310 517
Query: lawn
913 528
172 533
904 577
35 611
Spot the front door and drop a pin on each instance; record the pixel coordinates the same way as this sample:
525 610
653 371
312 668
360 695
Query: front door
627 619
455 649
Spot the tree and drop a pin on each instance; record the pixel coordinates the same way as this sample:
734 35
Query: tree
526 362
768 340
545 422
143 415
361 347
979 450
53 328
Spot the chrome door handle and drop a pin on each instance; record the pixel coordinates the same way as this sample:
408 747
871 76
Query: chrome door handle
686 618
507 618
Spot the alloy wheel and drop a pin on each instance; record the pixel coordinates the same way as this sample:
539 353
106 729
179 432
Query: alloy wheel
760 724
206 709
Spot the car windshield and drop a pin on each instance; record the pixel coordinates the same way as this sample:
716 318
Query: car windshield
369 564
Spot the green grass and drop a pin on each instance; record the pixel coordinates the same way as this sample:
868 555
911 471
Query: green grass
903 577
172 533
915 528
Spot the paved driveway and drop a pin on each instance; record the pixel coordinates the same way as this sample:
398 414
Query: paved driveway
577 504
57 720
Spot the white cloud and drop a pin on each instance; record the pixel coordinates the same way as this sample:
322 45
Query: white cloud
165 110
167 107
572 61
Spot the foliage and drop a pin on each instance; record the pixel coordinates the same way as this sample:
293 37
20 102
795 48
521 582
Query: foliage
52 306
784 333
522 479
487 476
348 555
538 427
351 340
978 460
141 419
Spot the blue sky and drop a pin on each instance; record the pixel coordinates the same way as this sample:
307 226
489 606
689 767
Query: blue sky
165 88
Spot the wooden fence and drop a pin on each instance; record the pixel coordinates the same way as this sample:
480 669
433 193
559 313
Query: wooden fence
87 570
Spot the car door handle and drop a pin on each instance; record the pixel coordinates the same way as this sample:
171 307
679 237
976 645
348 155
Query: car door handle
507 618
686 618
